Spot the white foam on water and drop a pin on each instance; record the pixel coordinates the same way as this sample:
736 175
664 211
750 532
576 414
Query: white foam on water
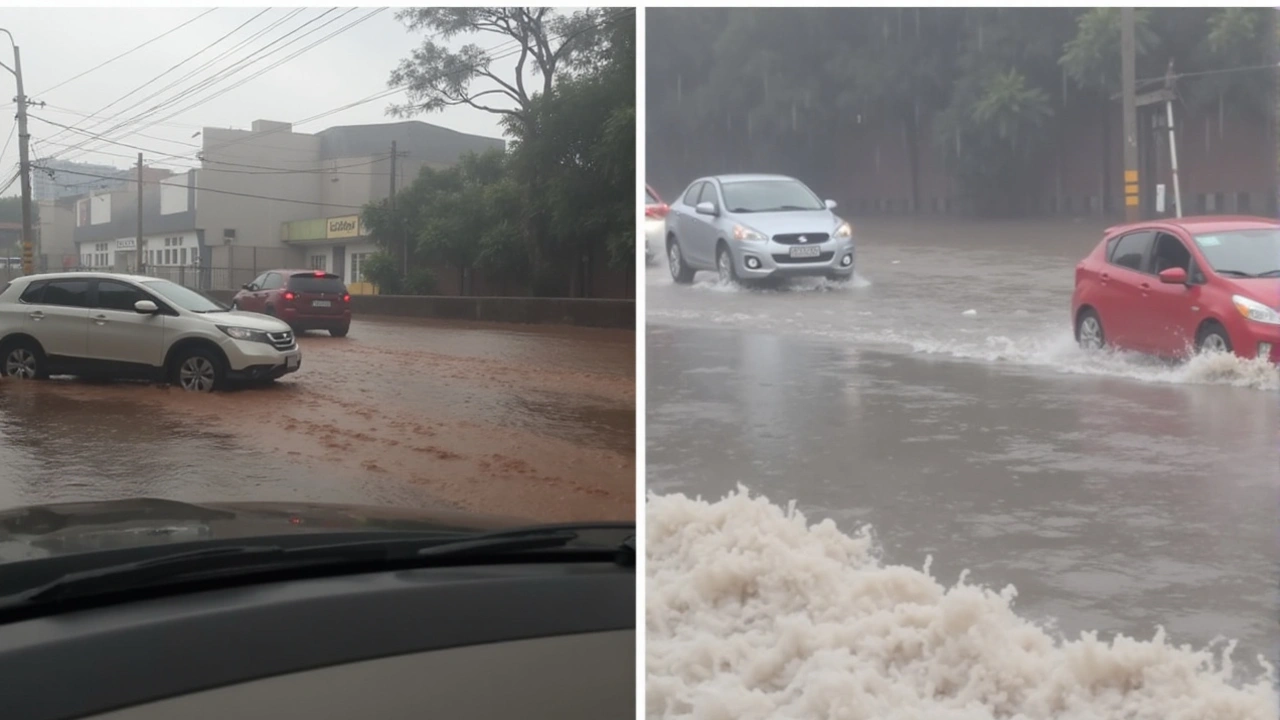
752 613
710 283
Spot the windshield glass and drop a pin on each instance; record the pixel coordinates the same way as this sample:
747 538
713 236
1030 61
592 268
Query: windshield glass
312 284
1252 252
183 297
650 198
769 196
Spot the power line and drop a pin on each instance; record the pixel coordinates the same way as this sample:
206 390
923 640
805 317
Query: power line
184 61
207 63
105 63
12 128
225 192
224 73
1221 71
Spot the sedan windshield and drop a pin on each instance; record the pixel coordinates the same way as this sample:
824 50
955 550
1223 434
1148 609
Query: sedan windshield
185 298
755 196
1249 253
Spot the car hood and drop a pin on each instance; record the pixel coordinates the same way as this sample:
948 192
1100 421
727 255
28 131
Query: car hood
37 531
775 223
253 321
1264 290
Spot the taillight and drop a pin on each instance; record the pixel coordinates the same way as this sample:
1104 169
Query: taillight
656 211
346 297
319 273
289 296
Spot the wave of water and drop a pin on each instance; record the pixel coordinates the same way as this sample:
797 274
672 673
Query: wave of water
753 613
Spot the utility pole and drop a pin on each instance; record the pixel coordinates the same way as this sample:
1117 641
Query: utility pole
142 262
404 240
24 141
1128 89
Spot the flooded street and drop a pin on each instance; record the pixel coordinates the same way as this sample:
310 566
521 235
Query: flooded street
524 421
1117 494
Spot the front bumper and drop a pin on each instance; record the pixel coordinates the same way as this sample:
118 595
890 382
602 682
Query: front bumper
1255 340
258 360
836 256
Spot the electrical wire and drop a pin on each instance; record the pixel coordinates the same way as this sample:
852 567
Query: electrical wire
227 192
184 61
105 63
224 74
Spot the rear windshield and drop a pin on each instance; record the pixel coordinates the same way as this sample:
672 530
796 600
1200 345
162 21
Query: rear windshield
308 283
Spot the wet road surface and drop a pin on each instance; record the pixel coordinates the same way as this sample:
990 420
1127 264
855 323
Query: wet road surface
1117 494
524 421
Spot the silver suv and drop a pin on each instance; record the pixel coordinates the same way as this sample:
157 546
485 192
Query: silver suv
109 325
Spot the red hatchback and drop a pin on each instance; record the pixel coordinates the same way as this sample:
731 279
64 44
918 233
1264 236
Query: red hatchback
306 299
1175 287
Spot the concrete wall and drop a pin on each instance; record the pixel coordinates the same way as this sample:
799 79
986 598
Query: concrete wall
615 314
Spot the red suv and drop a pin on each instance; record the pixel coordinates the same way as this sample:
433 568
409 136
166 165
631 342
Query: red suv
306 299
1175 287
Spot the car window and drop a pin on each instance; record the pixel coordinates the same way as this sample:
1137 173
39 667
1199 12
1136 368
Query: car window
257 282
114 295
1169 253
1130 251
68 293
34 292
311 283
691 196
272 281
769 196
709 194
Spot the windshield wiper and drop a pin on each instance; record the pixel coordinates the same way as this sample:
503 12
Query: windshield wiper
419 550
1236 273
1269 273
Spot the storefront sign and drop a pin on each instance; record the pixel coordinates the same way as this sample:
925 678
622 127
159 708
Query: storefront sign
127 244
345 227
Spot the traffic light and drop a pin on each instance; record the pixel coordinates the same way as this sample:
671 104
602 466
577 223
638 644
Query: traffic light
28 259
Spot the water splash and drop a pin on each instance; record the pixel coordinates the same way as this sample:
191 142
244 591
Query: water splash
754 613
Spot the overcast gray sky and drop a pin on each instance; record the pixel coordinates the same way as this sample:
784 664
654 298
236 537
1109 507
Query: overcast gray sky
59 43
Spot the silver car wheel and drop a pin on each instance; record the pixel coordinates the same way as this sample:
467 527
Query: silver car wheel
674 260
724 264
21 363
1214 343
1090 334
196 374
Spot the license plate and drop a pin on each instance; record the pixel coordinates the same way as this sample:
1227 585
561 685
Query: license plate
292 361
806 252
321 303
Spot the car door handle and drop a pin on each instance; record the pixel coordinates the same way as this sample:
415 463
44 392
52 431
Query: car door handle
1145 286
100 319
37 315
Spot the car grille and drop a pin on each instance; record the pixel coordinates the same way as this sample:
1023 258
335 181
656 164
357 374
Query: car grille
794 238
788 260
282 340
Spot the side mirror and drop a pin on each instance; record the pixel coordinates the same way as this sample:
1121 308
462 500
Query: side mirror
831 204
1173 276
146 307
247 286
706 208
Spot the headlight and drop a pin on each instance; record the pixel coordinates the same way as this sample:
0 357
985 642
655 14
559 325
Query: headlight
240 333
844 231
742 232
1255 311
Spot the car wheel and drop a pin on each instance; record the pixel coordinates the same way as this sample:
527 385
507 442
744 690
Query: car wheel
724 266
24 360
680 272
339 332
1212 338
199 370
1089 334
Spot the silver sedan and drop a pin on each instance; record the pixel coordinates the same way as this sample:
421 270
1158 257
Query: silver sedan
753 227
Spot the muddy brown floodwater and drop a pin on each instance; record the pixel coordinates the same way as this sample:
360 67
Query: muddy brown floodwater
523 421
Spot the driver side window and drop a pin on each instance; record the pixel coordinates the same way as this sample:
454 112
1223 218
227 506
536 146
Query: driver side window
709 194
691 196
272 281
256 283
1170 252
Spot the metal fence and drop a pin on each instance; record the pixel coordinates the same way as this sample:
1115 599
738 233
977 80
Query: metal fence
194 277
